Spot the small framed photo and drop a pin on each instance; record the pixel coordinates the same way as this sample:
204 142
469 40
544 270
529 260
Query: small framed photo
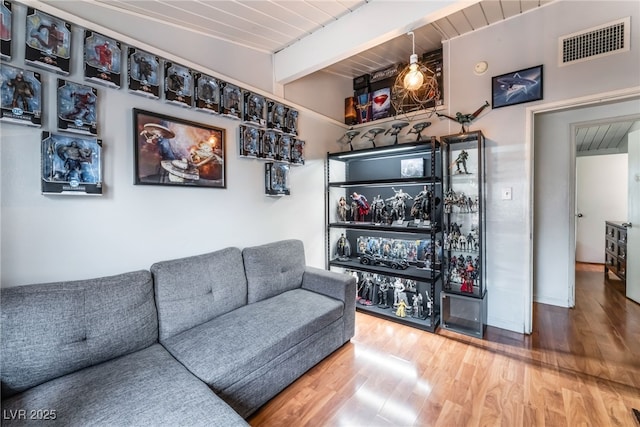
175 152
516 87
21 92
6 25
71 164
143 73
48 42
207 93
178 84
102 59
77 105
412 168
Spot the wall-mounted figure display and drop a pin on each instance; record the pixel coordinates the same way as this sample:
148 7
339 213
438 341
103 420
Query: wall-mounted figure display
249 141
284 148
6 23
291 122
71 165
231 100
254 108
297 152
77 105
144 73
178 84
169 151
48 42
277 179
276 113
269 144
207 96
21 96
102 59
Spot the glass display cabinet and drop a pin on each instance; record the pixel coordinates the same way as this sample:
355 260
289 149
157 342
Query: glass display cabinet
463 299
383 214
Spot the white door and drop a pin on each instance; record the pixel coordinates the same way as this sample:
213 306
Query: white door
633 231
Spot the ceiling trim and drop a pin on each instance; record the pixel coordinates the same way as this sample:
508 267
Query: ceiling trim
347 36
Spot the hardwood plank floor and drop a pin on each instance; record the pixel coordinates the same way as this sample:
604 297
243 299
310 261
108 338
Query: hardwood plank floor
579 367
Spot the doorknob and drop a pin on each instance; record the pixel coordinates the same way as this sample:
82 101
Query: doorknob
626 224
579 215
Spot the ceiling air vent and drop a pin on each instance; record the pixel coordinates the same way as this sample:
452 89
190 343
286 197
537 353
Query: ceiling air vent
602 40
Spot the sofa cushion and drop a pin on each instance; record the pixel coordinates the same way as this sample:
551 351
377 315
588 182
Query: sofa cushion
145 388
229 348
273 268
194 290
49 330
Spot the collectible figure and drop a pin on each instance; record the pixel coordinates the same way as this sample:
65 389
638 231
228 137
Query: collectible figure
6 23
284 148
102 57
277 179
461 160
347 138
401 311
291 122
178 84
365 296
276 114
361 207
21 96
395 129
465 119
418 308
249 141
383 295
343 209
398 205
230 102
343 248
71 164
297 152
364 107
378 210
144 73
371 135
429 304
77 107
269 142
48 42
254 108
207 93
418 128
398 292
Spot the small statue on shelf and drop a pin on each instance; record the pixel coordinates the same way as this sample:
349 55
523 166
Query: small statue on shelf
461 160
398 205
383 296
418 308
418 128
347 138
371 135
343 248
361 206
395 129
401 311
378 210
465 119
398 292
366 288
343 209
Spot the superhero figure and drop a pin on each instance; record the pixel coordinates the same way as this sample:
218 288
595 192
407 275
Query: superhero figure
22 92
105 55
83 104
145 69
54 38
175 82
362 206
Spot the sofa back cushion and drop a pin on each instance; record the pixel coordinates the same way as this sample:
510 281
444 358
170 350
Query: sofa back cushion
273 268
193 290
49 330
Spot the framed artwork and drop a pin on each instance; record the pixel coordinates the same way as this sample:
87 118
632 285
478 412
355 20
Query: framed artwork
178 84
143 73
48 42
21 92
71 164
175 152
77 106
102 59
516 87
6 22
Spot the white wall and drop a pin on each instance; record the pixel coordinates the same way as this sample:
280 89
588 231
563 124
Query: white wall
50 238
315 92
601 186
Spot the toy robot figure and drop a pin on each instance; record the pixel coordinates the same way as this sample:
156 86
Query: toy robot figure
343 248
398 204
145 68
362 206
343 209
105 56
83 105
22 92
53 39
462 160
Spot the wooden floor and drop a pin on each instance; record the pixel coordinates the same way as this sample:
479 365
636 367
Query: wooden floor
580 367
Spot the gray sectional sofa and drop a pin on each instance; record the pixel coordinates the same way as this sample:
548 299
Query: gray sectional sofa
203 340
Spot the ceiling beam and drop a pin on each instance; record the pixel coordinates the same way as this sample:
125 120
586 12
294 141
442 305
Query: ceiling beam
372 24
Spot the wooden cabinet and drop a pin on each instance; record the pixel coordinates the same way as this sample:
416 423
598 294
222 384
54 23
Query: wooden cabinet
615 252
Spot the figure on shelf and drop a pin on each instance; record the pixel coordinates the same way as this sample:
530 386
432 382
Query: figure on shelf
421 208
361 206
383 296
343 248
347 138
395 129
398 292
371 135
398 205
461 160
378 207
429 304
418 128
418 309
343 209
465 119
366 290
401 311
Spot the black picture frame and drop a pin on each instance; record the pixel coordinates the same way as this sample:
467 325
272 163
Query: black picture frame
179 153
517 87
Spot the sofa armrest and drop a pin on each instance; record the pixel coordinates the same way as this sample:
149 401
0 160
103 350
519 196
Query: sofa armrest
335 285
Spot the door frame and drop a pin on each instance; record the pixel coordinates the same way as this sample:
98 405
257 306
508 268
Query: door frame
530 112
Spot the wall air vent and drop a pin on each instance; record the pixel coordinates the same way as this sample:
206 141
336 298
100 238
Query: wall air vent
596 42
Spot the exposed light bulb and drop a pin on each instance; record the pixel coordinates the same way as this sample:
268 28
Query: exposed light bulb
414 79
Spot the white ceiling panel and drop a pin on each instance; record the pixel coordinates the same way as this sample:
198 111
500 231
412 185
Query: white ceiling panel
476 17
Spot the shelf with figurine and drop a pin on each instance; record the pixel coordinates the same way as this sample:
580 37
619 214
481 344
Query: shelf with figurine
463 299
